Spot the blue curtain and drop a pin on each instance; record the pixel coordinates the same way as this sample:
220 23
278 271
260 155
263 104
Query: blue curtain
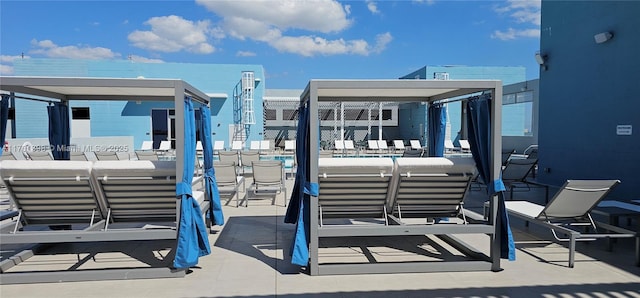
4 116
437 117
59 130
211 187
193 240
298 210
479 136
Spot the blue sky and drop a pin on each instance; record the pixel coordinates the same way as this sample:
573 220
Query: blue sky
294 40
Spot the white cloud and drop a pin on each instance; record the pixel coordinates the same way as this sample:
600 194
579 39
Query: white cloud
373 8
382 40
140 59
173 33
10 59
511 34
6 69
6 62
427 2
314 15
50 49
270 22
525 12
245 54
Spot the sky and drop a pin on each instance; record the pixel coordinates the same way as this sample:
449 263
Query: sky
294 40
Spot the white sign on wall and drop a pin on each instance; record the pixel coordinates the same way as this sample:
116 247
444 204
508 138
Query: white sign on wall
624 130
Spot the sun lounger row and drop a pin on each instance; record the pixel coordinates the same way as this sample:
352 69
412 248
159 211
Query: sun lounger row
93 197
392 190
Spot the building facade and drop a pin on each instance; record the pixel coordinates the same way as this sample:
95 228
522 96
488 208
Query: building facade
588 100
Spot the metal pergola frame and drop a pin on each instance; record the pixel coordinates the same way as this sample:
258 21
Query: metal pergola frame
319 91
105 89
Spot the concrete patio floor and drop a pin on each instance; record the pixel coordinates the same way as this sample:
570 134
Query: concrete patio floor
248 260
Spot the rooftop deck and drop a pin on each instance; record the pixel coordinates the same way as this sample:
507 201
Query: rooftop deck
248 260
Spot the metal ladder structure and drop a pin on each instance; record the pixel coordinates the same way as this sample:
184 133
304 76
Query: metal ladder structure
244 114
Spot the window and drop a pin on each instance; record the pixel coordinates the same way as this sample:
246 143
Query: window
517 114
269 114
517 119
386 114
80 113
288 114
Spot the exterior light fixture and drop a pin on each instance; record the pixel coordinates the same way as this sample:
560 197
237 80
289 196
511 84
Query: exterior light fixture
540 58
603 37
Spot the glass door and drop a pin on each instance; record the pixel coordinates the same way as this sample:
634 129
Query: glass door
163 126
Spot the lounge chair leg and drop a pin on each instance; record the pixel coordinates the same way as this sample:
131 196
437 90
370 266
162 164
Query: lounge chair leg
637 251
572 250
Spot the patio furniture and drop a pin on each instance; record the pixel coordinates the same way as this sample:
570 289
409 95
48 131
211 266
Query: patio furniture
255 145
39 155
218 146
237 145
506 155
568 214
412 153
465 147
146 145
398 146
515 173
47 192
415 144
140 191
247 158
228 180
229 157
106 155
268 176
354 188
146 155
449 147
289 146
78 155
382 145
431 188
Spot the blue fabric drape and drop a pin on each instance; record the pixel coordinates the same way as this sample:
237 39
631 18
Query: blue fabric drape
59 131
193 240
479 136
4 116
211 187
298 211
437 116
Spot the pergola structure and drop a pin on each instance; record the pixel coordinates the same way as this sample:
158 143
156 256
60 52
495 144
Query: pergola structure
101 89
111 89
318 92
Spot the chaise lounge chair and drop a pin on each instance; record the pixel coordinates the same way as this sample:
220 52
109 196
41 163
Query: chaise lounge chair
49 193
352 188
228 180
268 176
140 191
571 207
430 188
515 173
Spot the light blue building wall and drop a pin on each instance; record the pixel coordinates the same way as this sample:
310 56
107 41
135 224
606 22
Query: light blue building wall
131 118
587 90
507 74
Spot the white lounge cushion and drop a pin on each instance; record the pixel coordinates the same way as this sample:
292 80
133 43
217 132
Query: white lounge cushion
45 168
435 165
134 167
355 166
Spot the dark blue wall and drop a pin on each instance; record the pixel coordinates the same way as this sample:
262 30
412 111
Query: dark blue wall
586 90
